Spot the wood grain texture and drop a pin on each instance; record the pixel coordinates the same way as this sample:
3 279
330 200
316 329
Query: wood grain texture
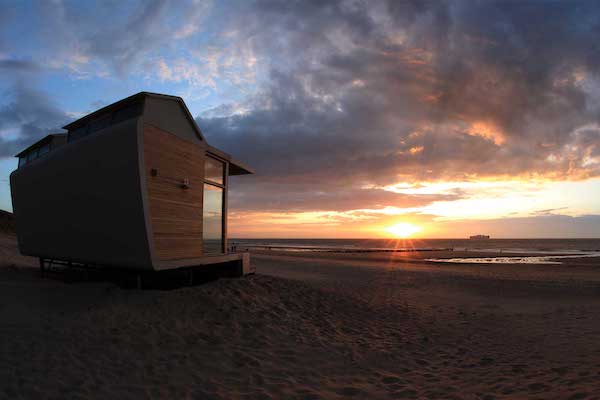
175 212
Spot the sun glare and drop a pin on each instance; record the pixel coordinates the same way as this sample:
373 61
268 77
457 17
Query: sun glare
403 230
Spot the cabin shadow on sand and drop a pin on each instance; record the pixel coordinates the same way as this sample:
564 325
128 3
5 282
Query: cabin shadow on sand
22 269
158 280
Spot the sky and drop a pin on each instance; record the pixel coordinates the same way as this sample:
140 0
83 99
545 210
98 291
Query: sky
361 118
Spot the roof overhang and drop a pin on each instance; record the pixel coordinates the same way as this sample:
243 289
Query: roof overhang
235 167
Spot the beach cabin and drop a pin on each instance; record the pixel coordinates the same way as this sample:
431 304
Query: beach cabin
132 185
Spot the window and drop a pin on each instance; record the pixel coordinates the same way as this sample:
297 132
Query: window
100 122
44 149
214 170
126 113
212 219
32 155
78 133
105 120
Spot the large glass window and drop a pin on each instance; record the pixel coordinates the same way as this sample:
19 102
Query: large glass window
212 222
32 155
214 170
44 149
105 120
100 122
214 195
78 133
126 113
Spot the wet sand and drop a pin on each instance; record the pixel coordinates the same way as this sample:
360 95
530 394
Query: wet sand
308 326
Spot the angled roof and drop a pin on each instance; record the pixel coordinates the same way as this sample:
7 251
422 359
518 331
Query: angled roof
132 99
235 167
41 142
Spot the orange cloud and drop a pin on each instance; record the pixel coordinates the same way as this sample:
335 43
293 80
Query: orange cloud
488 131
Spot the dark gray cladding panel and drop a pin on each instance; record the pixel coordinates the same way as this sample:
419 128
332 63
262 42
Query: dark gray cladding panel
83 201
169 115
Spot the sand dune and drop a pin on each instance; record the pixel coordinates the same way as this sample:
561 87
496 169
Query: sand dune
305 329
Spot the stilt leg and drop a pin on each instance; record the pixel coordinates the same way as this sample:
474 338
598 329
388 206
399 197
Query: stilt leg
42 267
139 281
191 276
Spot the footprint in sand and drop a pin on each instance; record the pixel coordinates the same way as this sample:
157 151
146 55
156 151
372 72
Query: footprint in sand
486 361
310 396
536 386
578 395
408 393
390 380
350 391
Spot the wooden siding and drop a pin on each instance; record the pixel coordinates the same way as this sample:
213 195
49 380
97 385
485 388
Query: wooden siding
175 212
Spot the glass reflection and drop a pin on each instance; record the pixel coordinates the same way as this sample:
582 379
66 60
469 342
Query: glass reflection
212 222
213 170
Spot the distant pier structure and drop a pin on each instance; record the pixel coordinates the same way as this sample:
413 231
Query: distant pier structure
479 237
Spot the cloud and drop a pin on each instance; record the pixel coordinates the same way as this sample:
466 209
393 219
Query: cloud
253 193
86 38
549 211
118 38
334 101
8 65
193 19
31 115
210 67
376 93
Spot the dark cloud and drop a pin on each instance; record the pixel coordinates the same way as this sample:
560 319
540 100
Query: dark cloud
6 14
124 43
549 211
29 116
116 35
363 93
112 36
19 66
256 194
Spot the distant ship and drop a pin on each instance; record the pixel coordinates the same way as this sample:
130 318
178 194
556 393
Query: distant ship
479 237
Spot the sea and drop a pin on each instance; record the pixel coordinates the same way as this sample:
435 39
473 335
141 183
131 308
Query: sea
538 251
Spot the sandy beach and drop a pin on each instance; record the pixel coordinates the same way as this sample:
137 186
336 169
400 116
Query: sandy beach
307 326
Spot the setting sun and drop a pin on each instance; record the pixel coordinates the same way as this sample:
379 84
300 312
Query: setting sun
403 229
